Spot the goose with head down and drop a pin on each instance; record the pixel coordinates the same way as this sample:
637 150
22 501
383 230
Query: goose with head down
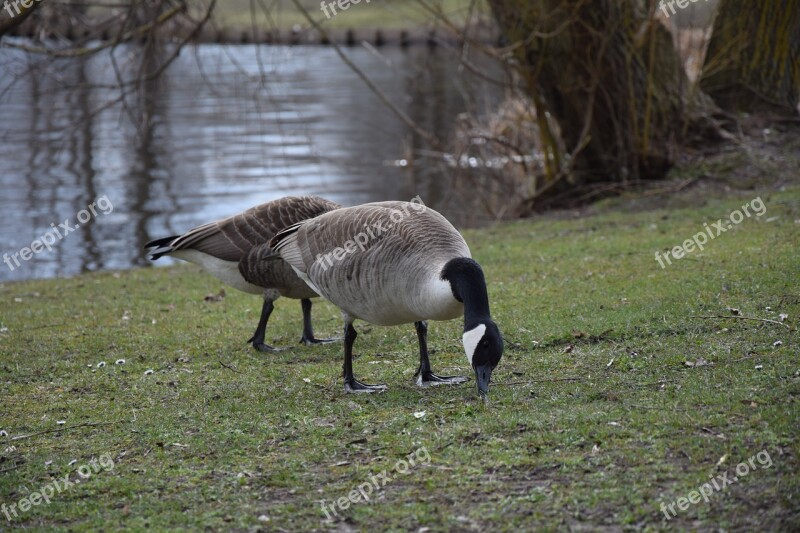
392 263
234 250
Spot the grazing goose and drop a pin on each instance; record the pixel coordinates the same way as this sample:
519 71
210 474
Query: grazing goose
233 250
392 263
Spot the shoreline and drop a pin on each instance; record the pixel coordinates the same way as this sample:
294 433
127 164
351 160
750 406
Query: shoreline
377 36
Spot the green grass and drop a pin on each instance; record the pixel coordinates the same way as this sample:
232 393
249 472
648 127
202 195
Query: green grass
595 418
387 14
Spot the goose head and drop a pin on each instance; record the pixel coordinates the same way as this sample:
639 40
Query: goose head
483 343
483 346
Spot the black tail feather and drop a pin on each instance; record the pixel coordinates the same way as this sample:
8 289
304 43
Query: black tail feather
162 246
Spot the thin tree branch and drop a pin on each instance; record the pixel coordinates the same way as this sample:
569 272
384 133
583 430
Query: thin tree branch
407 120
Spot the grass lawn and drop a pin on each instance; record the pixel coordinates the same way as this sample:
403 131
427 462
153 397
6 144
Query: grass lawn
612 397
386 14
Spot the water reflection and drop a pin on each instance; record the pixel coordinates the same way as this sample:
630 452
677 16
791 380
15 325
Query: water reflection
225 128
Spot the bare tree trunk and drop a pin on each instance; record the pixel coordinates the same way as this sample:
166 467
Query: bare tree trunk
609 74
753 59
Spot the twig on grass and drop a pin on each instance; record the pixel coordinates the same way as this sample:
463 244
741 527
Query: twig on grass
659 382
229 367
744 318
747 357
655 408
91 424
538 381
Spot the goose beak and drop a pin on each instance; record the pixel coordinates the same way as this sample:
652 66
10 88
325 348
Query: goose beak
483 374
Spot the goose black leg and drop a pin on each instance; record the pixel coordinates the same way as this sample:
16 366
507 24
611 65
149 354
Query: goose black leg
308 332
258 337
426 378
351 384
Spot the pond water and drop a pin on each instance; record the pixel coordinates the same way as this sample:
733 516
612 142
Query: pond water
226 127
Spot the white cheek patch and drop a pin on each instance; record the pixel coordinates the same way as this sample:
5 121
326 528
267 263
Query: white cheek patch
471 339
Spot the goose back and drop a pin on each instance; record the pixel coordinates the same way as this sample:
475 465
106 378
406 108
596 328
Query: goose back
380 262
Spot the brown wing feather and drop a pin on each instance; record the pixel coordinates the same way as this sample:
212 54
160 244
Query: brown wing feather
231 239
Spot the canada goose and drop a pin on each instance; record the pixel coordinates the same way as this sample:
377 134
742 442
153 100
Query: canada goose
233 250
392 263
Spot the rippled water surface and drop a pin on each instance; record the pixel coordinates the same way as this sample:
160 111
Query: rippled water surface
229 126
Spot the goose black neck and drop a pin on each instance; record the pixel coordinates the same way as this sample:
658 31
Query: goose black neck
468 286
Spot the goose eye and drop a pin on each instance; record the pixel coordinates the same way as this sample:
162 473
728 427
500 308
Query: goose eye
484 343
